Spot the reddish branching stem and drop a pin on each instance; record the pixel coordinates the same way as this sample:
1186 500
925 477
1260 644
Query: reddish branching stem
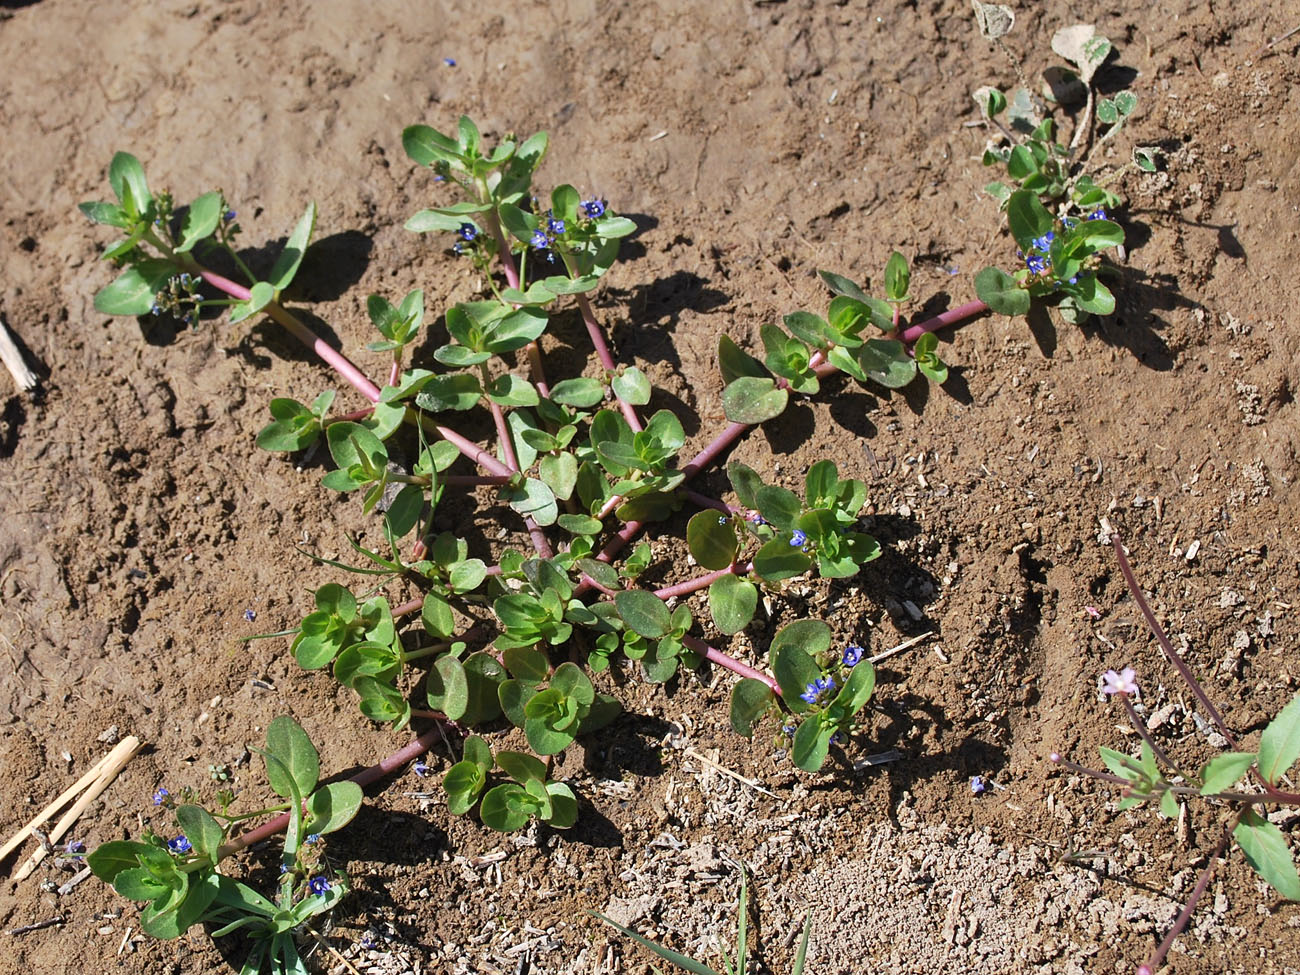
364 778
716 656
1183 670
1185 915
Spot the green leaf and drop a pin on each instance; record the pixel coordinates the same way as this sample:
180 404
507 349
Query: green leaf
644 612
732 602
1092 296
126 176
856 690
811 745
463 783
381 702
484 674
1266 851
109 859
750 399
580 392
505 808
778 560
350 442
286 741
886 361
632 386
203 216
711 539
260 295
1220 772
534 499
520 767
109 214
1001 292
138 884
750 700
204 833
734 362
511 390
447 687
794 670
286 265
843 286
332 807
780 507
897 277
133 291
746 482
426 145
454 391
990 100
1279 745
1027 218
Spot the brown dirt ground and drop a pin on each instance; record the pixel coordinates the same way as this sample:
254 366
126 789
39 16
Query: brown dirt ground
754 143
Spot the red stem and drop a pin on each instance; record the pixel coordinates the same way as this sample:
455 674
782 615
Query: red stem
602 353
1185 915
950 317
399 758
704 581
730 663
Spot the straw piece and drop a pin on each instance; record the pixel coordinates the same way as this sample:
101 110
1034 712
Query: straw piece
129 744
13 360
118 758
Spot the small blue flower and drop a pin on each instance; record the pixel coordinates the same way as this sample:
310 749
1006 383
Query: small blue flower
440 178
756 519
540 241
1044 242
312 838
420 769
284 868
1070 223
180 844
788 731
161 797
1075 279
250 615
467 231
798 539
852 654
1097 214
229 216
722 519
318 885
978 785
156 309
449 62
815 690
75 848
593 208
838 738
185 279
554 226
1036 264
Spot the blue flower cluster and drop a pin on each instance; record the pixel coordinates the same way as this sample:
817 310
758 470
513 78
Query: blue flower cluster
318 885
592 209
822 686
180 844
467 231
798 539
852 655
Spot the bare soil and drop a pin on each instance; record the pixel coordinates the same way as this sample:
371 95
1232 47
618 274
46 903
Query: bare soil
753 142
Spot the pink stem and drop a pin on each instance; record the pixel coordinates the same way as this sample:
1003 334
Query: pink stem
602 353
345 368
337 360
399 758
1185 915
731 663
950 317
704 581
473 480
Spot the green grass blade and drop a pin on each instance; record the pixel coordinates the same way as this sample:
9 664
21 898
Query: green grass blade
803 946
680 960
